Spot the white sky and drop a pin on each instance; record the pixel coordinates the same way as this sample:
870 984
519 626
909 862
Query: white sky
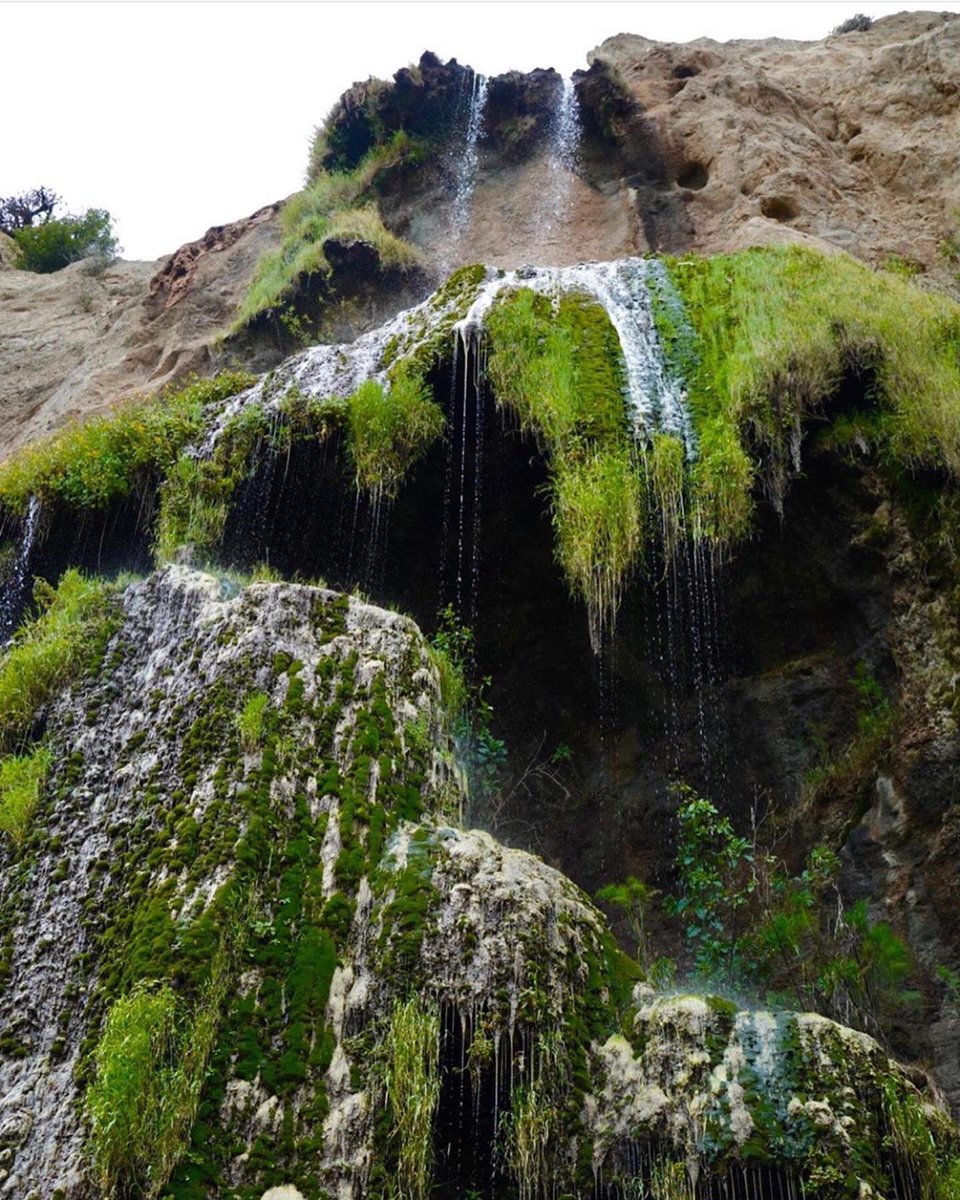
178 116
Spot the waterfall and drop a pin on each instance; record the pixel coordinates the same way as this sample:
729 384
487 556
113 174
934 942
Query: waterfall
564 156
14 589
465 179
655 401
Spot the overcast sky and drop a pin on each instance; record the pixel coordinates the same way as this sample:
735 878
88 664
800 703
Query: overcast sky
178 116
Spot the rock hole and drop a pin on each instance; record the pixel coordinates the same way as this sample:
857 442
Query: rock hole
685 71
779 208
693 176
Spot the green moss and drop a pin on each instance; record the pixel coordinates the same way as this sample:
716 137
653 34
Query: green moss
558 368
771 335
94 462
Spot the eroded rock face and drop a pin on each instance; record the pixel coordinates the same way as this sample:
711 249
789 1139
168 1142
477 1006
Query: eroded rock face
844 141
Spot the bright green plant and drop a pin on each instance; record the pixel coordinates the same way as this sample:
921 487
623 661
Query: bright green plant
771 334
21 780
334 205
250 720
715 883
68 635
94 462
150 1067
389 429
411 1079
633 897
559 369
55 244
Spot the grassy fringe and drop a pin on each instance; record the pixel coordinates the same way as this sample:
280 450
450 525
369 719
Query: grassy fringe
21 780
411 1080
388 430
151 1064
69 632
774 333
557 366
94 462
339 205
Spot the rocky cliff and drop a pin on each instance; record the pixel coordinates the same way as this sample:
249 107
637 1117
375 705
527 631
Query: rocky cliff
296 890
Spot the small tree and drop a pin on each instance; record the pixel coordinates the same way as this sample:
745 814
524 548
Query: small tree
29 208
46 243
55 243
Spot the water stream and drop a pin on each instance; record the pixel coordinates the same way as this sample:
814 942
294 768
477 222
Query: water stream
14 590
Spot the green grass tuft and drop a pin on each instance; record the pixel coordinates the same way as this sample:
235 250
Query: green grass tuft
250 720
94 462
67 636
21 779
389 429
341 205
411 1080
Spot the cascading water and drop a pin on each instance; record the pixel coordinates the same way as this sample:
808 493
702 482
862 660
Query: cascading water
655 400
14 590
465 179
564 157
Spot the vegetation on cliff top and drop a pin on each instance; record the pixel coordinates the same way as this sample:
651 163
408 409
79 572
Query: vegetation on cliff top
772 336
338 205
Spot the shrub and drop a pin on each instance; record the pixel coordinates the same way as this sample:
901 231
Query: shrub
56 243
411 1079
859 23
21 778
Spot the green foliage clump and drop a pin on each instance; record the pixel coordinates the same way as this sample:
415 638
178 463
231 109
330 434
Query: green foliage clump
747 921
534 1121
468 713
558 367
855 767
250 720
67 635
633 897
389 429
151 1063
94 462
54 244
411 1082
772 333
21 778
341 205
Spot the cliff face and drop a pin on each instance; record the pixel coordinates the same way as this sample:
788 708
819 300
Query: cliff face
847 143
294 897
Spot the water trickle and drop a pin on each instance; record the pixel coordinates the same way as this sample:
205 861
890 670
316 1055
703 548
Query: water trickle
564 157
14 591
465 180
